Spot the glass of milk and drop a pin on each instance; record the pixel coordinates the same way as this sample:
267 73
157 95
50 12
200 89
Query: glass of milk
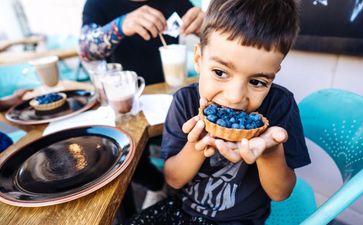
122 90
174 58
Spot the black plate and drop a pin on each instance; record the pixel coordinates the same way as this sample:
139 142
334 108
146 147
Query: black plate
77 101
64 166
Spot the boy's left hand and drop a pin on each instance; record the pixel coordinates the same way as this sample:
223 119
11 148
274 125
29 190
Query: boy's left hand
192 21
251 150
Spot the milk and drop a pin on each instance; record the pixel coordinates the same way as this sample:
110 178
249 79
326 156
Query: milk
173 58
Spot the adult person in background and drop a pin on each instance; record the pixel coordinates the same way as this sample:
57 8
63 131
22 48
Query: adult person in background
126 32
14 99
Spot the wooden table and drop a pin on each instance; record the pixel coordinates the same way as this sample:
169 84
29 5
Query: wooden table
98 207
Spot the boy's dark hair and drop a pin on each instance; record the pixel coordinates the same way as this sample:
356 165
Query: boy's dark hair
264 24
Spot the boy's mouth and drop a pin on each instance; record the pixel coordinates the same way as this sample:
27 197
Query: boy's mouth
233 108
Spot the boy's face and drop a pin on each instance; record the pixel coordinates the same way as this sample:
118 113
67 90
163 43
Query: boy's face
233 75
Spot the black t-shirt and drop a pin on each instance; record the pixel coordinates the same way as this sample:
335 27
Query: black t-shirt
226 192
134 53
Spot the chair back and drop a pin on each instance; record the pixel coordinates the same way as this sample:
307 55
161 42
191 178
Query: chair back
333 119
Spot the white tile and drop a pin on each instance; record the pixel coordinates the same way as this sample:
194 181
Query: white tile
349 74
322 174
306 72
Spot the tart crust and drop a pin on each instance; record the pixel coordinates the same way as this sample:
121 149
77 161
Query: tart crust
50 106
232 134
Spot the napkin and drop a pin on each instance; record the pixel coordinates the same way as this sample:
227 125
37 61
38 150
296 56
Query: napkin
173 25
155 107
104 115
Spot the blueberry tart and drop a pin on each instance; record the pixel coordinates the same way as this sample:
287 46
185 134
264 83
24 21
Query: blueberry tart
48 101
230 124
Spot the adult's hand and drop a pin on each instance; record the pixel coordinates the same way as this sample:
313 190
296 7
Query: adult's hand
13 99
144 21
192 21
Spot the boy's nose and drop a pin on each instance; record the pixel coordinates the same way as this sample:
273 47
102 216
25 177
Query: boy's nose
236 94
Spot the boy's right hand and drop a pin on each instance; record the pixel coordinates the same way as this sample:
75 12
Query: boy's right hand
194 127
144 21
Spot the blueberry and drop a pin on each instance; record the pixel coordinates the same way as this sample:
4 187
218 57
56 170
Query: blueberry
220 113
228 124
229 118
235 126
48 98
225 117
210 110
259 123
254 117
241 120
248 126
242 115
221 122
212 118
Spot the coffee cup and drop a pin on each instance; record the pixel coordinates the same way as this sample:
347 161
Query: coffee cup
47 70
122 89
174 58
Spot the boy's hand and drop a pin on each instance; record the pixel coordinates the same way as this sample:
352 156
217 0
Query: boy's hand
192 21
194 127
251 150
144 21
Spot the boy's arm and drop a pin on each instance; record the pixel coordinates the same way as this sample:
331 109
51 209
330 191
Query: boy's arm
182 167
267 151
276 178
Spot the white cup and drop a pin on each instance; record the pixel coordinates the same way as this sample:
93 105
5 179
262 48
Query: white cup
100 73
122 89
174 58
47 70
97 70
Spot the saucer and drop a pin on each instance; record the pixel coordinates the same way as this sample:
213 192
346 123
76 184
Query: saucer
77 102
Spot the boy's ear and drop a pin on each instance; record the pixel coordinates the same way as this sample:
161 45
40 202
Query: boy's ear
197 57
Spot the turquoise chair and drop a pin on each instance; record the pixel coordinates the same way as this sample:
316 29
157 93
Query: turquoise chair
196 2
296 208
333 119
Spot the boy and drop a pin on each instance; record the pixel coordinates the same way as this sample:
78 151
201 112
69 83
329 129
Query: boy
243 43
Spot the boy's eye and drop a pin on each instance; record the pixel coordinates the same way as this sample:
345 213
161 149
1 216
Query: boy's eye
258 83
220 73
